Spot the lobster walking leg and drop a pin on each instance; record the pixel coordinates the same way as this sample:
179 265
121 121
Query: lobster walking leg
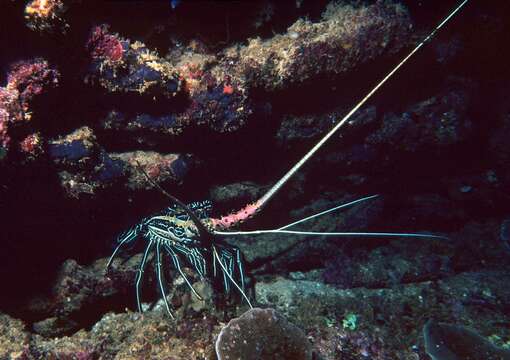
127 237
177 265
225 271
160 279
239 261
139 275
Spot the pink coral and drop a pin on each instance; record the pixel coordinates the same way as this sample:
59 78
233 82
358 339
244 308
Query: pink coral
9 111
4 137
104 45
25 80
31 78
32 144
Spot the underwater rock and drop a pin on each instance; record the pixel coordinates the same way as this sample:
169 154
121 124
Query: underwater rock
386 323
141 127
220 104
470 297
435 123
211 108
431 126
337 341
84 167
236 195
81 289
46 15
223 107
453 342
76 284
81 294
218 90
387 318
288 295
399 262
26 81
118 65
345 37
74 150
478 244
14 339
30 79
481 190
32 145
10 112
262 334
159 167
217 98
80 162
504 233
55 326
313 305
499 148
132 336
295 129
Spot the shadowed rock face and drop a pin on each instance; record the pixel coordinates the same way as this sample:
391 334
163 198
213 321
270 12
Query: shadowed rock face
452 342
262 334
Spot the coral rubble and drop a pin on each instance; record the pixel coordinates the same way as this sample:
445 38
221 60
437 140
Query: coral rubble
26 80
46 15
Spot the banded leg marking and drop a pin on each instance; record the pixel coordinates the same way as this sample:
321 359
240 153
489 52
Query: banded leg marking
160 280
239 261
139 275
128 237
225 271
177 265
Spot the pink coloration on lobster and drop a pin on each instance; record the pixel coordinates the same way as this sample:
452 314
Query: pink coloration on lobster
236 218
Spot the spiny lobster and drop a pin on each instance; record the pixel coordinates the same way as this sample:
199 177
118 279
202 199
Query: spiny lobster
188 232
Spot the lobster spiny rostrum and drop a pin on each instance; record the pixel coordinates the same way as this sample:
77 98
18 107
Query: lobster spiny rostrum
188 234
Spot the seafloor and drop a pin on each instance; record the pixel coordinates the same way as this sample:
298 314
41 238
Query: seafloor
103 101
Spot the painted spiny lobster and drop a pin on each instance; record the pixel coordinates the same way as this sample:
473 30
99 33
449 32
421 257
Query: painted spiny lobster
188 233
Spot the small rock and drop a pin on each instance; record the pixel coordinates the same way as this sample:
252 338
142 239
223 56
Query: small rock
262 334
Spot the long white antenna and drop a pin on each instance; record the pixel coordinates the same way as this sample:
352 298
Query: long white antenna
336 234
308 155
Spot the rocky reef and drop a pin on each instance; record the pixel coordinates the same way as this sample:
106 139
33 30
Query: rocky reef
107 106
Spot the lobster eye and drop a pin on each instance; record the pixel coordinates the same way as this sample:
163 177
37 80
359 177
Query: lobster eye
178 231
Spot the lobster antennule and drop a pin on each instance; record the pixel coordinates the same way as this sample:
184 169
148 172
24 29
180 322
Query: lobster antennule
327 211
284 229
202 230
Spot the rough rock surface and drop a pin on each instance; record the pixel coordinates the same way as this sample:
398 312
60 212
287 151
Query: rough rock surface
262 334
